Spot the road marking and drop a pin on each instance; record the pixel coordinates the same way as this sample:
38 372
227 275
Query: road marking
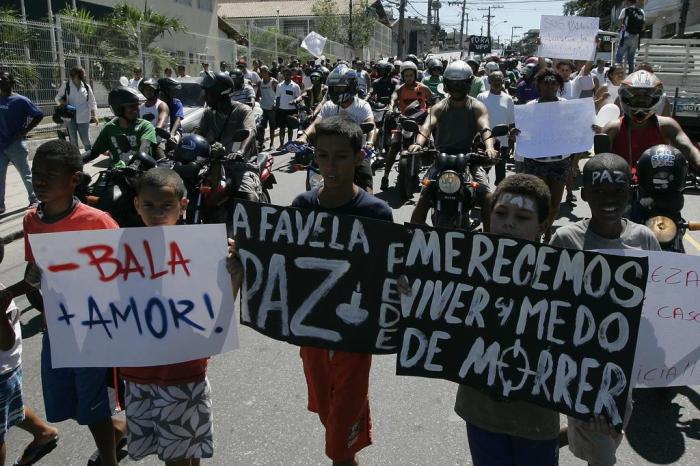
692 241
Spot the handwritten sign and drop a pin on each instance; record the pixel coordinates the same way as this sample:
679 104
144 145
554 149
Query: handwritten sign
554 128
480 44
568 37
318 279
668 346
522 320
136 297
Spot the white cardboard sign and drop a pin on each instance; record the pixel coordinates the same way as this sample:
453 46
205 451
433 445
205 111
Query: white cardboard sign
568 37
554 128
668 344
136 297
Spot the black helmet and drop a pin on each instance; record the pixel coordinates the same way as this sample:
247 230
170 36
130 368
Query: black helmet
412 58
384 68
661 169
237 78
167 84
191 147
342 84
433 64
121 96
217 83
150 82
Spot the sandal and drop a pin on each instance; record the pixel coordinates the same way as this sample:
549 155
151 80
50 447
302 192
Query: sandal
33 453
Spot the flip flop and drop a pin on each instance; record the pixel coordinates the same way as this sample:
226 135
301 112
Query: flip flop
33 453
95 459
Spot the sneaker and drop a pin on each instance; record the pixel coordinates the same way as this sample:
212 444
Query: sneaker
385 184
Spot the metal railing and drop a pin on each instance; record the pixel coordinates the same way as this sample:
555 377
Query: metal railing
675 61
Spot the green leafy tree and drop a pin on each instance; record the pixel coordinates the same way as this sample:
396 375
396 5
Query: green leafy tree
334 26
15 39
599 8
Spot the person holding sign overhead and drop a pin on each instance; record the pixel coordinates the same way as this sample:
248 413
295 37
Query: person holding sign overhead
503 431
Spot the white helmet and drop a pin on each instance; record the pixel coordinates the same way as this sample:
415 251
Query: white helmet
409 65
491 66
457 79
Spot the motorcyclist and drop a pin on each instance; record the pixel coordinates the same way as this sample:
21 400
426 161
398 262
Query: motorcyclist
155 111
242 91
458 119
641 128
419 66
124 102
478 86
342 93
410 91
384 86
168 87
316 94
223 117
434 77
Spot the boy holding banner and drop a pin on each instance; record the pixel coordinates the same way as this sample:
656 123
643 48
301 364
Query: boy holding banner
606 187
338 381
168 407
502 431
69 393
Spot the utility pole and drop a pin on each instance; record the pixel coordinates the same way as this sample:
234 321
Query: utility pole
512 29
350 25
684 16
430 23
488 18
402 12
461 24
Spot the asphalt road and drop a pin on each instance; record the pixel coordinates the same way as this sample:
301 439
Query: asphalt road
259 396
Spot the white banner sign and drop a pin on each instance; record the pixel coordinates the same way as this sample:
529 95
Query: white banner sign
668 345
568 37
554 128
314 43
136 297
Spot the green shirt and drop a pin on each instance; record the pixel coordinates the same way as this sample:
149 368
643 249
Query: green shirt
478 86
107 140
432 82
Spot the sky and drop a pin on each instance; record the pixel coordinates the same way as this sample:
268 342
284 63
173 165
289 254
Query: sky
524 13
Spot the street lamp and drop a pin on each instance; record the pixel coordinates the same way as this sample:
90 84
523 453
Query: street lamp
512 29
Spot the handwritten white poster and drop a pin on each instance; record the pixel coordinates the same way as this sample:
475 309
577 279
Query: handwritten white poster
668 345
568 37
554 128
314 43
136 297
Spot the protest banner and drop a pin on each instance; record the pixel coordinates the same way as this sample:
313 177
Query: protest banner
668 346
568 37
136 297
522 320
319 279
480 44
554 128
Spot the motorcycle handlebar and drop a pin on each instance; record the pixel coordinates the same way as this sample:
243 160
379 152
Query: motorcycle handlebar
694 226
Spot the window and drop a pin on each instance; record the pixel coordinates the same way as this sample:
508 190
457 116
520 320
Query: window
184 2
206 5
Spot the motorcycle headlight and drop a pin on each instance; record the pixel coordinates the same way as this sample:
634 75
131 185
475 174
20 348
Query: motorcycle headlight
449 182
315 180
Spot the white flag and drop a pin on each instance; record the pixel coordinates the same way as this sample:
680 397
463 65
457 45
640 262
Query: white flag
314 43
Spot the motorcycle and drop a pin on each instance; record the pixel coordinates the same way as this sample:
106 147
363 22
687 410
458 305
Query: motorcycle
450 185
213 182
380 110
658 197
114 189
410 163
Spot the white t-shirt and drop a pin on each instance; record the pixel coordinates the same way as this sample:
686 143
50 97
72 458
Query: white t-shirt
253 77
287 93
500 110
81 98
10 360
359 111
134 83
600 75
574 87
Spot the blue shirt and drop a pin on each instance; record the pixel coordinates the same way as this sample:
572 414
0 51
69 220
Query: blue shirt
177 110
362 205
526 91
14 112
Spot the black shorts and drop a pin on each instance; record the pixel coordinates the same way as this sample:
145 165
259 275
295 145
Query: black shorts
363 175
281 117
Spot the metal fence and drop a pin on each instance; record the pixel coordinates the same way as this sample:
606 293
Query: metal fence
41 54
266 43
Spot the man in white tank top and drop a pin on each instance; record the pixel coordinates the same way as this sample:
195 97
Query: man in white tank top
267 93
153 109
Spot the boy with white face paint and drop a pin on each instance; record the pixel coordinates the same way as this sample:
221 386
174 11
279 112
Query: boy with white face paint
503 431
606 188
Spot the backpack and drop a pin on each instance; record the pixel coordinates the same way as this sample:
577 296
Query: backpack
66 93
634 20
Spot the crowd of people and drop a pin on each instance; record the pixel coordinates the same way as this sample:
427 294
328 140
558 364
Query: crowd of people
460 98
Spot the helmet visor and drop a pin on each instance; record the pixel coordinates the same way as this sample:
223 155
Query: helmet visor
640 98
457 86
337 92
